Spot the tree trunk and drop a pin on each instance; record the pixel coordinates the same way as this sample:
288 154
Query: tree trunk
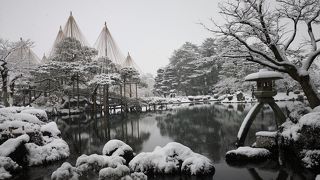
4 76
310 91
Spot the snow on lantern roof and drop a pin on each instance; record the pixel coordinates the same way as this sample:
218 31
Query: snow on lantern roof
263 74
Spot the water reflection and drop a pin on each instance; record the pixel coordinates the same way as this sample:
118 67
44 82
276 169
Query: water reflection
208 129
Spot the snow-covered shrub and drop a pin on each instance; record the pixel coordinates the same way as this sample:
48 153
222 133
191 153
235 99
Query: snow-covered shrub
116 173
52 151
297 110
7 166
12 144
66 171
39 113
172 158
95 162
50 129
305 134
311 158
135 176
26 117
116 147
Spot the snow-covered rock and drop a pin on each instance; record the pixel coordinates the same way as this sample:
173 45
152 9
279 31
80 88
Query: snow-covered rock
116 147
66 171
266 139
50 129
172 158
247 154
7 166
12 144
52 151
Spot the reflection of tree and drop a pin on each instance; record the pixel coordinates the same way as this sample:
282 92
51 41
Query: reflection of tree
86 135
208 130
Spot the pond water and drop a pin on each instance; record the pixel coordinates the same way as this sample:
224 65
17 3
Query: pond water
208 129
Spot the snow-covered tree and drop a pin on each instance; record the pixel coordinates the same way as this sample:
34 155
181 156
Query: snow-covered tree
252 23
8 78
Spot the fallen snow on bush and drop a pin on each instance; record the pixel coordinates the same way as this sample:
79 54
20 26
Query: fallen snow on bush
116 173
292 131
118 148
96 162
135 176
39 113
12 144
25 117
311 158
6 167
66 171
172 158
55 150
51 128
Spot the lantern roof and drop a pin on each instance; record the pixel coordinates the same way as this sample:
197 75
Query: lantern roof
263 74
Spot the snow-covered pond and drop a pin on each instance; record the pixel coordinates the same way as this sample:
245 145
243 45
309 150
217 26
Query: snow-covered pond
208 129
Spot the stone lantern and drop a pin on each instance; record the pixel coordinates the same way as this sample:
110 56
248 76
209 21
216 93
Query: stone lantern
264 92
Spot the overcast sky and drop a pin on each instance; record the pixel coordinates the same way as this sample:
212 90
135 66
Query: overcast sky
149 29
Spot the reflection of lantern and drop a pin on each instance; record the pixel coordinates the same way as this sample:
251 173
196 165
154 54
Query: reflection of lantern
264 93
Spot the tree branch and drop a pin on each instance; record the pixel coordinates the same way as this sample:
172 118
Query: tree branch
307 63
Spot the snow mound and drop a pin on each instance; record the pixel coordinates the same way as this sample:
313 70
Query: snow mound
110 173
6 167
55 150
66 171
116 147
12 144
96 162
174 157
51 128
247 154
39 113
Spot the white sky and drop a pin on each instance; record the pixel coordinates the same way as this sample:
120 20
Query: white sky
149 29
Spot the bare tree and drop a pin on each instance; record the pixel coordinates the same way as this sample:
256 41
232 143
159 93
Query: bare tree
273 28
6 48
